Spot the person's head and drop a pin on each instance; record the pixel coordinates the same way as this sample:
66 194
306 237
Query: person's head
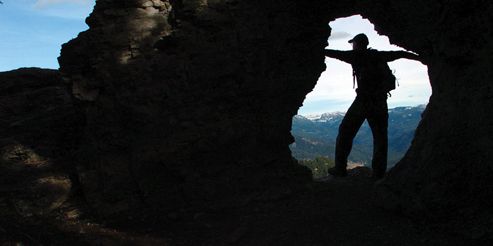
359 42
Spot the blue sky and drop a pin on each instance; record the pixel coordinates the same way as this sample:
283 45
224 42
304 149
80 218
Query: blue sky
32 32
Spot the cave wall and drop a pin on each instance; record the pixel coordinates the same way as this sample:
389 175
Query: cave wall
447 171
192 100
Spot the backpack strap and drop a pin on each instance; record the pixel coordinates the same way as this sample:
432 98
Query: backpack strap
354 79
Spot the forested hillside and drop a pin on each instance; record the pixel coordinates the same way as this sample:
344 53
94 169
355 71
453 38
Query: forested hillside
315 135
318 166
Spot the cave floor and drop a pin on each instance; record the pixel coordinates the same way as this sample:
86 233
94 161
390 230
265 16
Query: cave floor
339 211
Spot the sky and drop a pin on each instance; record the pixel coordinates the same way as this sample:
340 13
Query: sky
334 90
32 32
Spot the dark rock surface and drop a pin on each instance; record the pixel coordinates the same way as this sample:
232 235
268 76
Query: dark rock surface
338 211
447 171
192 100
39 127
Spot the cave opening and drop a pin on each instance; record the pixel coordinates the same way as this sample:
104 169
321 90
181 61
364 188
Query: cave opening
334 91
333 94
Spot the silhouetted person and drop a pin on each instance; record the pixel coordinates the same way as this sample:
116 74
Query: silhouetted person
370 103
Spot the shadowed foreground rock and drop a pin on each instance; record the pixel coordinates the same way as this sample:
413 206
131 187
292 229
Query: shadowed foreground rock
192 101
39 127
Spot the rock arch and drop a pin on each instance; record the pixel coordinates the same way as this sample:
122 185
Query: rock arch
192 100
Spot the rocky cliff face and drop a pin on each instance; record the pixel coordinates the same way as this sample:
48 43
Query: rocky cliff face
446 170
39 127
192 100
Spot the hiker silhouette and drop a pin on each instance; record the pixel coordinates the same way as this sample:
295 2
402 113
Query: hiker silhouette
374 82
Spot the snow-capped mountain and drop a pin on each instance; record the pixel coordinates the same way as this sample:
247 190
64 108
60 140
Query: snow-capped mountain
326 117
338 115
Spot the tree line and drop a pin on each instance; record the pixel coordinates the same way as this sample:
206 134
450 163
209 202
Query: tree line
318 165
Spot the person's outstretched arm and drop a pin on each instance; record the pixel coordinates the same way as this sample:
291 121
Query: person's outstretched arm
394 55
345 56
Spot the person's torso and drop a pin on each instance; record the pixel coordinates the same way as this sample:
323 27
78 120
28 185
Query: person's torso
369 69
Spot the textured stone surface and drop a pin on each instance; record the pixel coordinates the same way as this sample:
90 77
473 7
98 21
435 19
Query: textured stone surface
446 171
38 128
192 100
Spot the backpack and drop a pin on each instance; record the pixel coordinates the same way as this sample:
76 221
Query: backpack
382 72
389 79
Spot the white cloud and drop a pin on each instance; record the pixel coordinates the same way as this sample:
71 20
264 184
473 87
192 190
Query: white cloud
65 9
43 3
339 35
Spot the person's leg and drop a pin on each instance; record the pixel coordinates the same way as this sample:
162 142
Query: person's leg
378 122
348 129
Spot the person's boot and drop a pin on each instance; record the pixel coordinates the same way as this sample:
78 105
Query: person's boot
378 175
338 172
378 172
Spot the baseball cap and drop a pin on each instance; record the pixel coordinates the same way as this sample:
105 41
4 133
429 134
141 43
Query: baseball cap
360 39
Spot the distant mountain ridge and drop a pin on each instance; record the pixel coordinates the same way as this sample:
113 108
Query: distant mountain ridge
315 135
326 117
